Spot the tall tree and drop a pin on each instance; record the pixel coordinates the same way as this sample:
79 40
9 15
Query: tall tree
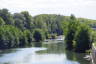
19 20
71 30
6 16
82 38
28 22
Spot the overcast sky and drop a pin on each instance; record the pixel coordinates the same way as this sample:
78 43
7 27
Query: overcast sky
80 8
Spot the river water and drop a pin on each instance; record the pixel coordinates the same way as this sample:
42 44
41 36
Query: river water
53 53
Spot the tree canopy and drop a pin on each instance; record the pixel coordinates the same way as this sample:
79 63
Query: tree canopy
21 29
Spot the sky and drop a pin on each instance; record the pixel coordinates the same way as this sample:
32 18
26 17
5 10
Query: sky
80 8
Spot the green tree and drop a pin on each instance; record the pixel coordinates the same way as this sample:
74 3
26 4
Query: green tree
82 38
28 36
9 36
71 29
28 22
19 20
39 22
1 22
38 35
6 16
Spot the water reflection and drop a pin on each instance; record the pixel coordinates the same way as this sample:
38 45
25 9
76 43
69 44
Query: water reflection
76 57
54 54
59 48
55 48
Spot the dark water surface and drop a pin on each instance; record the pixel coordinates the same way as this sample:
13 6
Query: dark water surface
53 53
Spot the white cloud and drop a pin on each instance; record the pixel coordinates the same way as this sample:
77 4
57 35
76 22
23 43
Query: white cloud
81 8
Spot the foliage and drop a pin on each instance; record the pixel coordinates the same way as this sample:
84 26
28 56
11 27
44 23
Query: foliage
28 20
38 35
6 16
1 22
82 38
77 35
21 29
28 37
50 23
9 36
71 29
19 20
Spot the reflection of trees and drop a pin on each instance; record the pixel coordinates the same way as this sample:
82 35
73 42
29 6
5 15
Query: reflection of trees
6 51
70 55
80 59
76 57
37 44
58 48
54 48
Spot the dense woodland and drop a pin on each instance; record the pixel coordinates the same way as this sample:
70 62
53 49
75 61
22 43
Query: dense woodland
21 29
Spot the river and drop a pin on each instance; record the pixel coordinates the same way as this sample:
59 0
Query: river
53 53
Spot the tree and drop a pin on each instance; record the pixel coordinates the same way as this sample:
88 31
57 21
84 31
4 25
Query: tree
28 22
9 36
72 17
19 20
19 29
39 22
82 38
6 16
38 35
19 24
28 36
71 29
1 22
